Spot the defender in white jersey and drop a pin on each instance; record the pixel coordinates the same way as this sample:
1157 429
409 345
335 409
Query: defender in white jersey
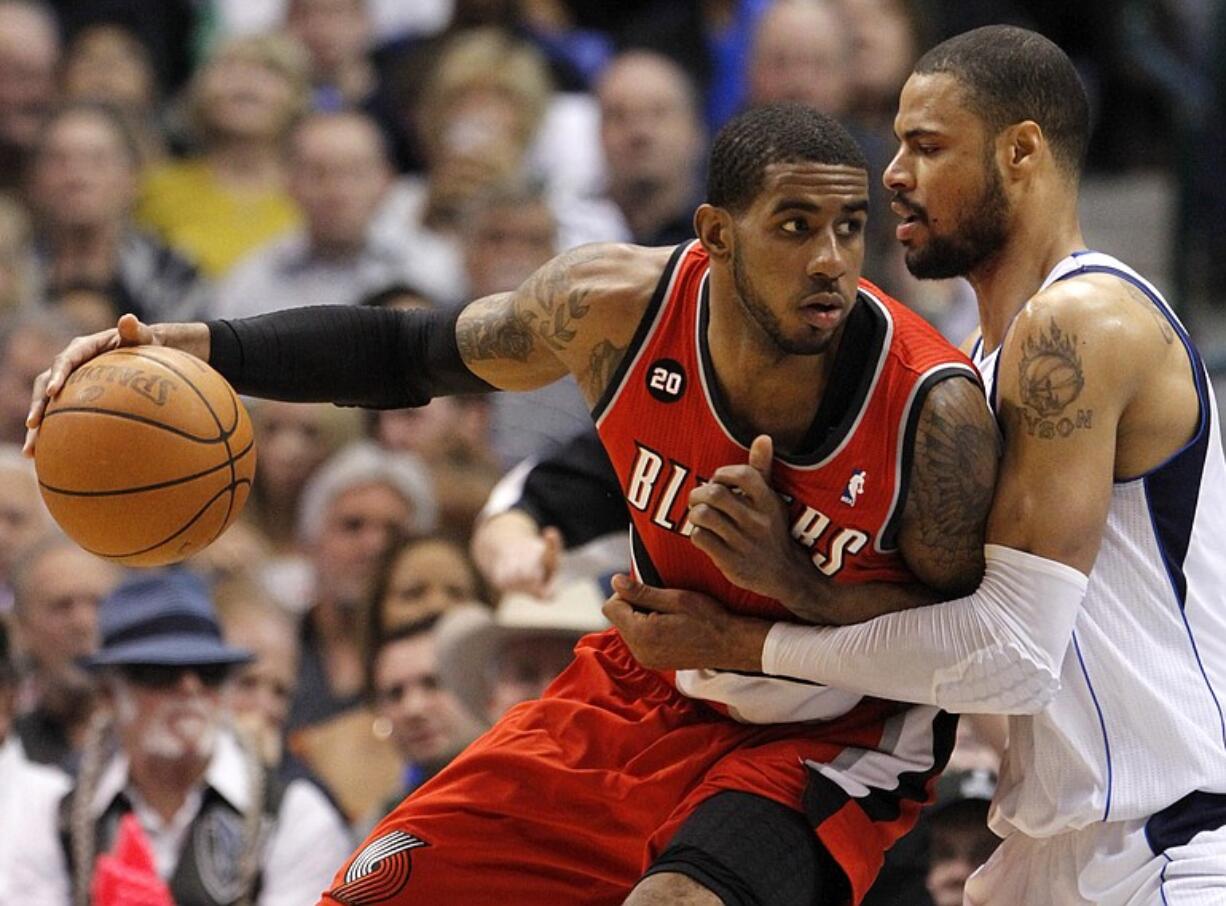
1100 623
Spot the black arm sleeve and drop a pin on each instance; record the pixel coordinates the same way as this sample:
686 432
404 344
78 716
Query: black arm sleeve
376 358
576 490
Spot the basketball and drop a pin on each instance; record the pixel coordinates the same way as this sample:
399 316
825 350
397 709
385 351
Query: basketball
146 456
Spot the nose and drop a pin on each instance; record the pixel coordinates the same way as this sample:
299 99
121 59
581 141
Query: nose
827 259
897 177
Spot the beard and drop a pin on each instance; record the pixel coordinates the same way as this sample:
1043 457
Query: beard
761 314
979 236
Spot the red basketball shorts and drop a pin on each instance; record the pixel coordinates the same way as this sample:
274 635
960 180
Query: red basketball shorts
568 799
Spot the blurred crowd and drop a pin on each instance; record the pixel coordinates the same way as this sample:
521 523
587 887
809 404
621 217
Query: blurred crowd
399 579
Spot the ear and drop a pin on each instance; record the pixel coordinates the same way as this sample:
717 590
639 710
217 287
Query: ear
714 229
1023 144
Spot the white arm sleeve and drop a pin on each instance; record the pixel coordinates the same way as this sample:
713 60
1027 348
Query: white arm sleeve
997 651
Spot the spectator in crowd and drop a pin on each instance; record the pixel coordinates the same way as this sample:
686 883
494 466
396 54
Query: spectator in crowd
654 145
424 719
355 507
480 111
801 52
28 341
451 436
259 692
16 272
22 783
29 57
218 826
514 224
339 175
337 34
107 64
232 198
419 579
82 187
23 518
480 108
885 42
492 661
293 440
959 839
58 588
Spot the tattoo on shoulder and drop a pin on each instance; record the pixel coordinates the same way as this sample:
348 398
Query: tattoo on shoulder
605 358
1164 324
954 477
1050 380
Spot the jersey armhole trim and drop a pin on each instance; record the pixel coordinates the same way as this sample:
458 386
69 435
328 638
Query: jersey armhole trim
887 538
647 326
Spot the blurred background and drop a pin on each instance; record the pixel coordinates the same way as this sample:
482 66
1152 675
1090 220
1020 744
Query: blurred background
186 159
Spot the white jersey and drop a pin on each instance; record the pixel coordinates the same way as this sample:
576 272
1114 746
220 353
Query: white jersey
1137 725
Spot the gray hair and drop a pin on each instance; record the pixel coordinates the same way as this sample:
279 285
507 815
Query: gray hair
365 463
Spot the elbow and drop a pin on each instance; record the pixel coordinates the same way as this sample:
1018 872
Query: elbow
1002 684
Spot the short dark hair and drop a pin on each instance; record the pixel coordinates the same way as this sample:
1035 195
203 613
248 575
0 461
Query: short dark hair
1012 74
771 134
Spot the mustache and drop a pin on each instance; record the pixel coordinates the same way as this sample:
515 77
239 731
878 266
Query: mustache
917 211
822 285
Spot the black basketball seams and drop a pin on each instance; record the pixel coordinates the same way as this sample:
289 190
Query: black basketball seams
228 489
64 492
224 434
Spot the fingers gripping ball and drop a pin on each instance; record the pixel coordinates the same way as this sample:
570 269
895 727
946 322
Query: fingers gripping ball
146 456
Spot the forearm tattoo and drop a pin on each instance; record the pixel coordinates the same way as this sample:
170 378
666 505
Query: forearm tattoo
1050 381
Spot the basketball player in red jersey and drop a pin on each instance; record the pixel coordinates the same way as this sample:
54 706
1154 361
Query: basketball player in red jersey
624 784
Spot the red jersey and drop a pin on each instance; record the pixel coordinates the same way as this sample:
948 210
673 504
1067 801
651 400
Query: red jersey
663 424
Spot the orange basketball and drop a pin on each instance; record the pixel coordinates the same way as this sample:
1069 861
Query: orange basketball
146 456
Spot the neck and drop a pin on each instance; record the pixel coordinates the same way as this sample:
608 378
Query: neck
768 391
246 162
165 784
1005 283
648 206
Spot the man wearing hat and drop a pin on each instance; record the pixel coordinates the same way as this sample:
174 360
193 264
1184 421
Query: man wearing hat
168 806
495 660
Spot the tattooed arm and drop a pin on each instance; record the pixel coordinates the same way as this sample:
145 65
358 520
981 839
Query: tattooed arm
576 314
941 535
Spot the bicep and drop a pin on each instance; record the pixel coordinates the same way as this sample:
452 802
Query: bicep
1060 404
953 473
575 315
498 342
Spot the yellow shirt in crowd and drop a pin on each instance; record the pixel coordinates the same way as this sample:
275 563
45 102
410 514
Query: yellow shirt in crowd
215 226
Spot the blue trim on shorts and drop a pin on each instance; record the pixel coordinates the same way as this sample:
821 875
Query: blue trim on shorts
1101 722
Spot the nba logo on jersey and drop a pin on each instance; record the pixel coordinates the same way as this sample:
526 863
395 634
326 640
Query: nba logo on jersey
855 486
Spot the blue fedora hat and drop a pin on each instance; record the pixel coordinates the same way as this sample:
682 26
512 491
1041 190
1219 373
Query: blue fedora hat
163 619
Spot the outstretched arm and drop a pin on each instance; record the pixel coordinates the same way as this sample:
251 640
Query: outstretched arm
576 314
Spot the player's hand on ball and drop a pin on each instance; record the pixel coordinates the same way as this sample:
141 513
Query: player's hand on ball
129 332
667 629
741 523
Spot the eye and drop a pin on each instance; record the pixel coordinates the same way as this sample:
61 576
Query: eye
795 226
849 229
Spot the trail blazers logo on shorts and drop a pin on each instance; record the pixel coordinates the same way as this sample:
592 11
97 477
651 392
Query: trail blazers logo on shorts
379 871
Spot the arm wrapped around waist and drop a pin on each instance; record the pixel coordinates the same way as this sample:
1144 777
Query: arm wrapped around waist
351 356
997 651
